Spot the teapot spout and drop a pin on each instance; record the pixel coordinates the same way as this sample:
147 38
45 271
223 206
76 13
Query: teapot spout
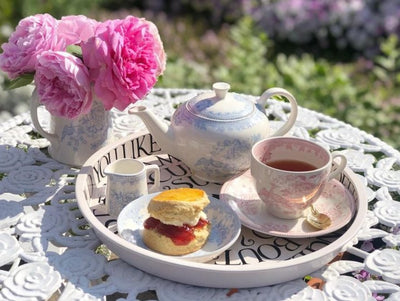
157 127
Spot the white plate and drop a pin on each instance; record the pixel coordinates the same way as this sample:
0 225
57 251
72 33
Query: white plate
241 194
225 227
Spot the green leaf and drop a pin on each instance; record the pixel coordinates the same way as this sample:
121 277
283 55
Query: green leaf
75 50
21 81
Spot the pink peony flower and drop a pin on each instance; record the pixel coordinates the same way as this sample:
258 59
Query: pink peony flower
63 84
124 58
32 36
75 29
158 49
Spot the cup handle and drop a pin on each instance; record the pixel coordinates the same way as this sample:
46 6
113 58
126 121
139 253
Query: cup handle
35 120
339 168
293 104
156 170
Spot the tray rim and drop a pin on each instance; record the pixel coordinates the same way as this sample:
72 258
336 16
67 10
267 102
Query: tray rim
215 275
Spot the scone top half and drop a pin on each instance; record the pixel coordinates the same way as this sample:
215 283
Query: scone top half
179 206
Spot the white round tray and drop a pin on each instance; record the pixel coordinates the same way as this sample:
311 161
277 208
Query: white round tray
254 260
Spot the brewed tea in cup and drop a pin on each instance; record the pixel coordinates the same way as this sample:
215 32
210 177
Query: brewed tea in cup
291 173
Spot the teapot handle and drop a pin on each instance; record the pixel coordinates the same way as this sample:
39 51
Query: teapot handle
35 120
293 112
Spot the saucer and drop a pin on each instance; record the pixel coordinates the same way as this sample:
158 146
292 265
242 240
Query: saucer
240 193
225 227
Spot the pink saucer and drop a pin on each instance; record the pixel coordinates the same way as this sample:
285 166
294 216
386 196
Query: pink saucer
240 192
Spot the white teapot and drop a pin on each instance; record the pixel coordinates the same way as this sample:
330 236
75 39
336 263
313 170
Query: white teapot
213 133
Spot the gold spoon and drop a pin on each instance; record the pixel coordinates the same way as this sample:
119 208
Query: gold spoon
317 219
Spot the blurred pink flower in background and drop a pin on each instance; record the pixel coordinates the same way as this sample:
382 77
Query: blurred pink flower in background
124 58
62 83
32 36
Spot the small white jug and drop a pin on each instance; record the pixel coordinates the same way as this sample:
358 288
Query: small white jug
127 181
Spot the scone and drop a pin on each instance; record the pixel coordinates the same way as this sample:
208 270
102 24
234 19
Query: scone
177 224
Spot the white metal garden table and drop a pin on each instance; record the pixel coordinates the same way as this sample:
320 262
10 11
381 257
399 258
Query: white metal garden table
48 251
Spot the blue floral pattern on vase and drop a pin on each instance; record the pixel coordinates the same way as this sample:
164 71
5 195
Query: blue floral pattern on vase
94 125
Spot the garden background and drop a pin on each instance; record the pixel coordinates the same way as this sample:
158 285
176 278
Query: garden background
341 57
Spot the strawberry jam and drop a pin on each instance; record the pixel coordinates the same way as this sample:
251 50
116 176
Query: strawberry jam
179 235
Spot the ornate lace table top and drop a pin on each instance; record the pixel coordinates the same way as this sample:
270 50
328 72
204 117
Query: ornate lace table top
49 252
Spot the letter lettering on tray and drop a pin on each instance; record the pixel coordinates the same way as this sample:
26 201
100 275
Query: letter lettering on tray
145 145
177 170
313 246
123 147
198 182
165 177
89 189
115 153
109 222
154 147
252 253
342 177
166 170
139 144
118 153
99 167
269 251
247 242
182 183
286 243
227 260
164 161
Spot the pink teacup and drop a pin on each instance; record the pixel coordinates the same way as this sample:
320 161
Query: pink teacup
290 173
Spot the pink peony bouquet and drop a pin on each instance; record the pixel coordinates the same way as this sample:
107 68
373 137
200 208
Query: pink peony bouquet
76 58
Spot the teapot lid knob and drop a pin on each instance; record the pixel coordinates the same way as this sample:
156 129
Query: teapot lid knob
219 105
220 89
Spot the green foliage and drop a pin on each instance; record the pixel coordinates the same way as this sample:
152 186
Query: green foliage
7 7
75 50
182 73
333 89
247 68
57 8
318 85
20 81
387 65
12 11
385 92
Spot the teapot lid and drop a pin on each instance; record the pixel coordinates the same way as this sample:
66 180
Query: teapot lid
220 105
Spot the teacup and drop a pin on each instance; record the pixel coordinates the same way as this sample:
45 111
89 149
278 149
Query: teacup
291 173
127 181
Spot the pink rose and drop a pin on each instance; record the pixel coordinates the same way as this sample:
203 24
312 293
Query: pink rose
75 29
63 84
124 59
32 36
158 49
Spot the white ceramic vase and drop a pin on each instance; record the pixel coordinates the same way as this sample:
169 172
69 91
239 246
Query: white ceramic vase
73 141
